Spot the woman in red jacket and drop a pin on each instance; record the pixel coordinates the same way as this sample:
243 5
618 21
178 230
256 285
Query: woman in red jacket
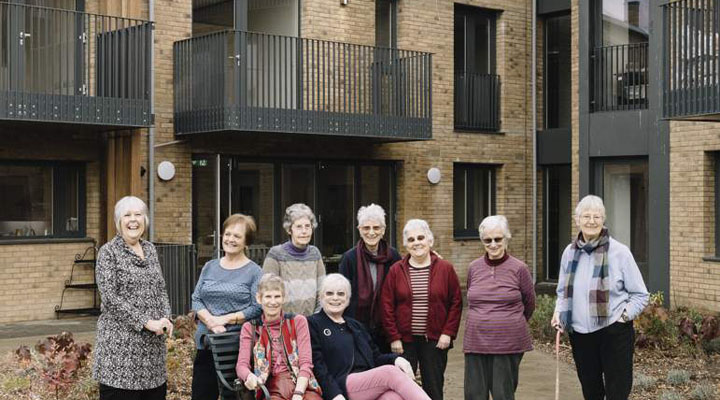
421 307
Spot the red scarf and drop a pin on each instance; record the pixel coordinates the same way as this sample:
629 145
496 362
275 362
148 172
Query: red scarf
368 295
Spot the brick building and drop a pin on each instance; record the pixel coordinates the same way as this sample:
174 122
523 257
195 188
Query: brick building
258 104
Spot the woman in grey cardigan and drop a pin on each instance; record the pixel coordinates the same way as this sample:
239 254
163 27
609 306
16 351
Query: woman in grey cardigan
129 359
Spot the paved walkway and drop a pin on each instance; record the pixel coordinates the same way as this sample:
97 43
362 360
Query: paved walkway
537 370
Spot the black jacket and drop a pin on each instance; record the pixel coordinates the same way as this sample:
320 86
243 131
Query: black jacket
332 363
348 267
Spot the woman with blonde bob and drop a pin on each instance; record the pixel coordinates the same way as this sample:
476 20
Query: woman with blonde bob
277 346
600 291
348 364
501 299
129 356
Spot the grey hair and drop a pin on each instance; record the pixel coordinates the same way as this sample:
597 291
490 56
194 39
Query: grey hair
296 211
126 204
493 222
372 212
590 202
418 224
335 281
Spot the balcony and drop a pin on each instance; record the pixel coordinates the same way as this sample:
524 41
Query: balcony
63 66
477 101
242 81
620 77
691 71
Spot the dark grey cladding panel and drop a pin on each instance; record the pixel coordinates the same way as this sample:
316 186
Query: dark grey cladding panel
552 6
554 146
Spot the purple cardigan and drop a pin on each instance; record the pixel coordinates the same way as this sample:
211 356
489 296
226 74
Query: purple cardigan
501 298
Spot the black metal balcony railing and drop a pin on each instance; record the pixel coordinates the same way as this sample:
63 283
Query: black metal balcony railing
245 81
620 77
691 66
68 66
477 101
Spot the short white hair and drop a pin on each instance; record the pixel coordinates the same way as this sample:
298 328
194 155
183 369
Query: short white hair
418 224
335 281
295 212
373 212
590 202
126 204
493 222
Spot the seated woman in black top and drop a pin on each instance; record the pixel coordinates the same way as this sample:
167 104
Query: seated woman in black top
347 364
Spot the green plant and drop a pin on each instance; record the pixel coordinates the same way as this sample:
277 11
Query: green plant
643 382
678 377
670 395
14 384
540 322
703 391
654 325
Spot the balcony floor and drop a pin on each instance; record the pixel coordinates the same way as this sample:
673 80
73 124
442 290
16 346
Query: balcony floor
255 119
83 110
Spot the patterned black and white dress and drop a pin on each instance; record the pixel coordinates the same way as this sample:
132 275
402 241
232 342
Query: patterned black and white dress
132 291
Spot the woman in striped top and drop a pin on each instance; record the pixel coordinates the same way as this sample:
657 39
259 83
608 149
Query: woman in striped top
421 306
501 299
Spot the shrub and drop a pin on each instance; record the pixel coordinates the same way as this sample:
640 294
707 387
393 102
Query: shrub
540 322
655 328
670 395
712 347
678 377
643 382
703 391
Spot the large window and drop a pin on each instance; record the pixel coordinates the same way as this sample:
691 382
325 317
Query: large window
385 30
557 212
477 88
263 189
625 21
41 200
623 185
473 197
557 72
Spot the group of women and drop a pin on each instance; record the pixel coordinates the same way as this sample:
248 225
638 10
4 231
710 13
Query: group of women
362 334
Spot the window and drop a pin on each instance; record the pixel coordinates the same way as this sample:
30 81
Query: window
477 88
385 30
42 200
557 184
473 197
557 72
625 21
623 185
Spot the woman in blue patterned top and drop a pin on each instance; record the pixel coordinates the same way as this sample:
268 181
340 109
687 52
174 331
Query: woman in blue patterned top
224 298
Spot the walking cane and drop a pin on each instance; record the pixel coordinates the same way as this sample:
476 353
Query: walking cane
557 365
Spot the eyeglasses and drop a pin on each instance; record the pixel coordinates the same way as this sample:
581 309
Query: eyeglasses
368 228
588 218
418 238
491 240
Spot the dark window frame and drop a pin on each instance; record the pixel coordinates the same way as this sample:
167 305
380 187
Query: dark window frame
58 216
471 220
546 91
392 21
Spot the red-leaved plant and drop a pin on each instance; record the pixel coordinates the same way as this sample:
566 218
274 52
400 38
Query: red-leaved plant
61 359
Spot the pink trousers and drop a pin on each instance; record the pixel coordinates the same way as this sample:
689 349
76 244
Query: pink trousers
387 382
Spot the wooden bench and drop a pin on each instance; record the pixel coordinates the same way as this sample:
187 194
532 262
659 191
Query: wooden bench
225 348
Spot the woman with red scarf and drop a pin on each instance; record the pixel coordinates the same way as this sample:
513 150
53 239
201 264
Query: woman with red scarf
366 266
275 350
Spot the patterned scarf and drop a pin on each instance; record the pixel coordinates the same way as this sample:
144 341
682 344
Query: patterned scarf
262 351
599 298
368 295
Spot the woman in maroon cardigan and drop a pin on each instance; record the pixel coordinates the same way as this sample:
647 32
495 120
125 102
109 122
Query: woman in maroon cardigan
501 299
421 307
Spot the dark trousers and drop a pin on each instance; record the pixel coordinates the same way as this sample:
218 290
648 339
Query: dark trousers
491 373
204 380
604 361
111 393
432 364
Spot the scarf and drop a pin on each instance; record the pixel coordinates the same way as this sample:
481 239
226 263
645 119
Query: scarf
368 295
294 250
262 351
599 300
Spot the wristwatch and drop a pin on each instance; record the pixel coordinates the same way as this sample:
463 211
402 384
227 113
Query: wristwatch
624 317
